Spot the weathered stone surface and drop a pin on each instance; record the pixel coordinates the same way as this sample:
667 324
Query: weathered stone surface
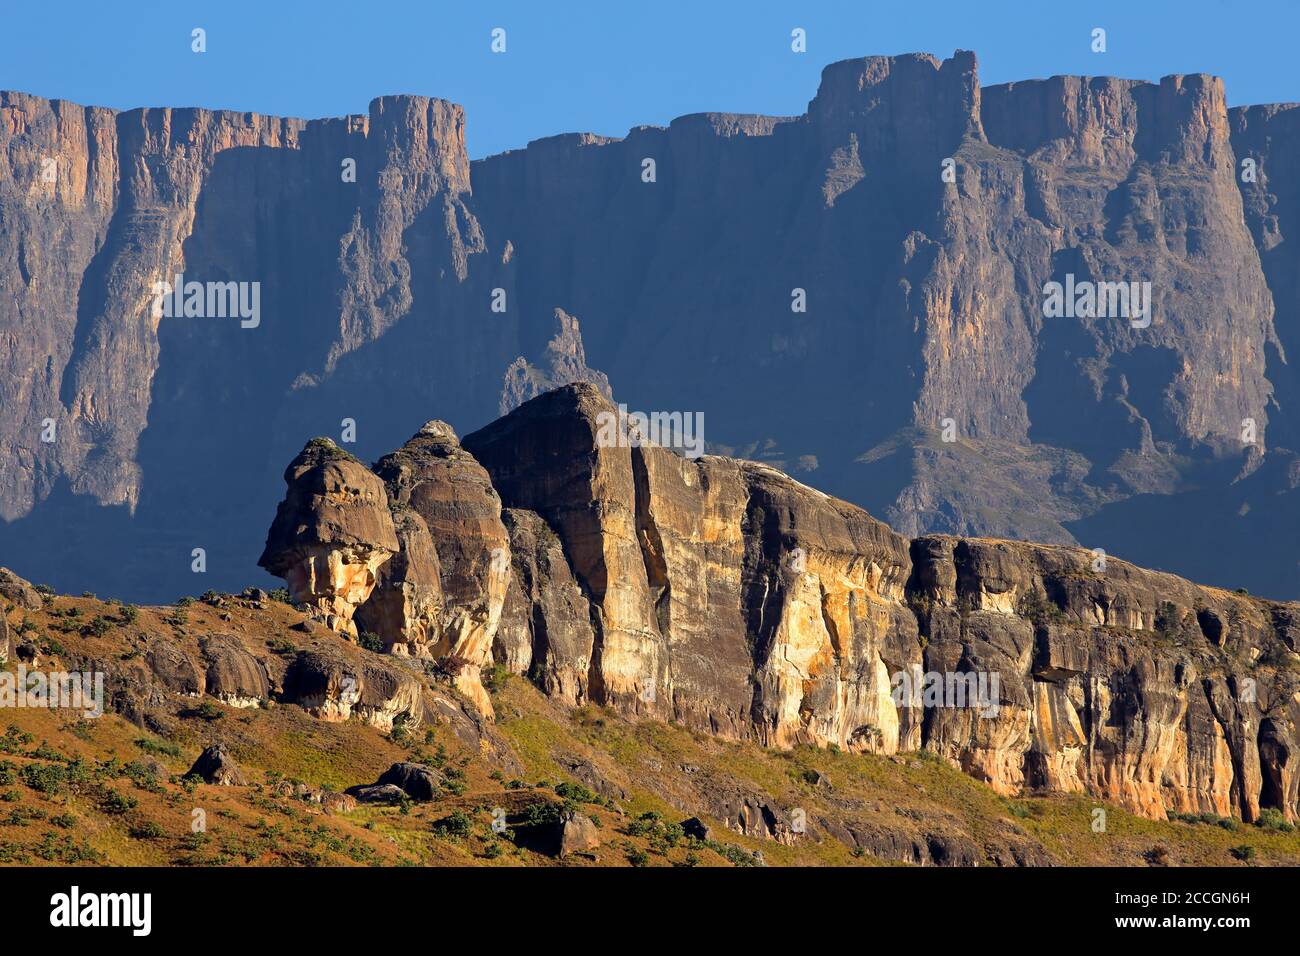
544 457
216 765
549 633
453 496
331 534
578 834
1129 684
173 668
405 609
233 675
334 688
727 596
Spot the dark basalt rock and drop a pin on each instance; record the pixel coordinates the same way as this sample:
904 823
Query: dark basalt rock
416 780
216 765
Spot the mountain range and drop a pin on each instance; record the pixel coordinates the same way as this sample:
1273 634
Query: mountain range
858 295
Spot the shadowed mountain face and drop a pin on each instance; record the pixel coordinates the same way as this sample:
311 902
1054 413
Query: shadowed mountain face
816 286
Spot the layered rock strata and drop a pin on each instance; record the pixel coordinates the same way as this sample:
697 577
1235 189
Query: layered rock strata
725 596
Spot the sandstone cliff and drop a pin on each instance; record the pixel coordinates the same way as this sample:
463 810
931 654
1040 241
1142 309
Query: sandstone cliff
729 598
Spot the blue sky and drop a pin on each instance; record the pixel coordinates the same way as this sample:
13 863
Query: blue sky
604 67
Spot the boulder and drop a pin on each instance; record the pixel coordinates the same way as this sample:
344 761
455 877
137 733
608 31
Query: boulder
416 780
335 687
215 765
234 676
173 668
697 828
578 834
334 803
378 793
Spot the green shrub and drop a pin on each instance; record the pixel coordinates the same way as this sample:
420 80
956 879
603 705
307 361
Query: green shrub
49 779
98 627
1274 819
148 830
457 826
576 792
117 803
158 747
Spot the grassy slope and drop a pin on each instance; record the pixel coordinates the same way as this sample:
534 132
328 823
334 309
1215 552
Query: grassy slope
653 768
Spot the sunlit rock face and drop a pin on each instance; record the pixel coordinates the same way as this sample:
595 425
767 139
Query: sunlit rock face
1129 684
726 596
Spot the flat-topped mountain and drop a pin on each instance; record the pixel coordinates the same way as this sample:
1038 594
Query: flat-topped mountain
857 294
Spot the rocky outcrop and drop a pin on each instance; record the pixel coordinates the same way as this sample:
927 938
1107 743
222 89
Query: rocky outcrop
332 533
724 594
18 591
234 676
453 497
728 597
335 688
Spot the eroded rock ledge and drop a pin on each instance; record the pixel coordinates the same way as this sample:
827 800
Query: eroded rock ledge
726 596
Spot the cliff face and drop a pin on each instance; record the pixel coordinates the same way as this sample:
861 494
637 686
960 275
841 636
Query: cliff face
727 597
892 244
